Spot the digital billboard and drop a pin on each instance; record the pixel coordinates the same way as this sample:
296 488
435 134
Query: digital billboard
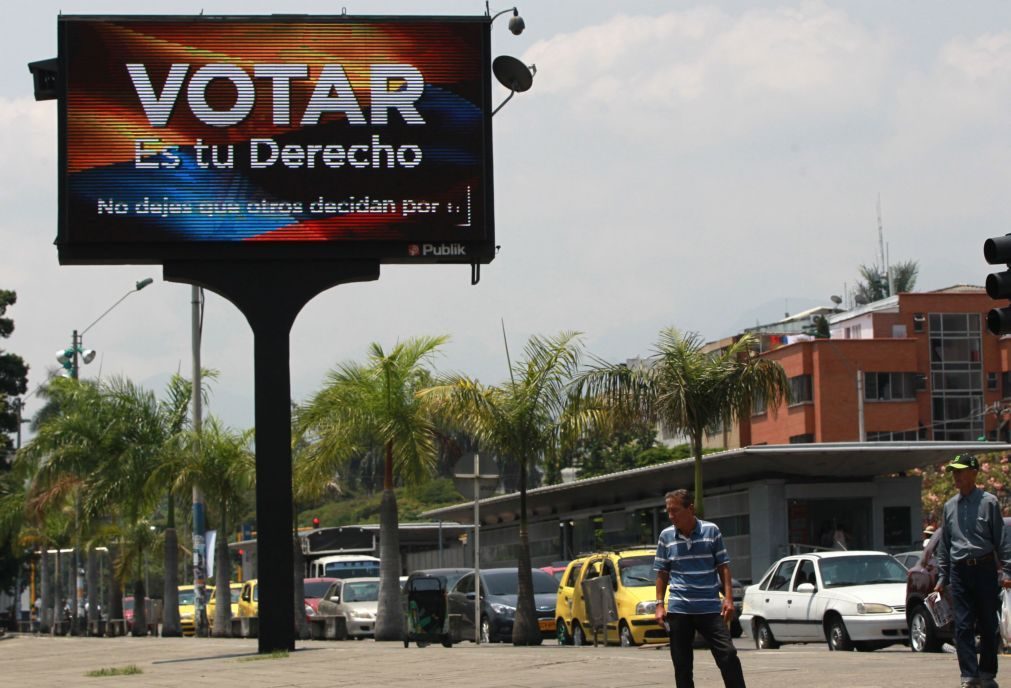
275 137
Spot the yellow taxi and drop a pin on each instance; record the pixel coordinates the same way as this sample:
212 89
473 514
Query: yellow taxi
235 589
634 586
187 598
249 599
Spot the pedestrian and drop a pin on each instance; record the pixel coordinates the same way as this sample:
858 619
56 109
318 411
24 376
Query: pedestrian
692 562
928 533
971 547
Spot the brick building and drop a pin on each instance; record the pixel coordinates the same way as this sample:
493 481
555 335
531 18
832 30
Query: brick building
914 366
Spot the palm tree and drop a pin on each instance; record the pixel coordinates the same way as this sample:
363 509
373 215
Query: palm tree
685 388
362 406
874 284
529 419
221 462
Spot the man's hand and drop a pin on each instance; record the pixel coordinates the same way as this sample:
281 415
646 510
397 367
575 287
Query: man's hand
661 612
728 610
939 588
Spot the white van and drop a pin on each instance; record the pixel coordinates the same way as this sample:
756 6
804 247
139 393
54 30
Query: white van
345 566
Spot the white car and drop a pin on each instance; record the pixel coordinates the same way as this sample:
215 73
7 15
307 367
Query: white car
356 599
849 599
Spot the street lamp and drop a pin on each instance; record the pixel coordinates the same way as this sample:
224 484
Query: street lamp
69 359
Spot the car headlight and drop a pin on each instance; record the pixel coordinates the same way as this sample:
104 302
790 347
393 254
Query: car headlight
873 608
357 614
644 608
309 611
503 609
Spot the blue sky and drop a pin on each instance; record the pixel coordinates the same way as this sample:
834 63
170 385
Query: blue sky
702 165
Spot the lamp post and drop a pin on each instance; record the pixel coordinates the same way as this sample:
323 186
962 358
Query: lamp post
490 479
69 359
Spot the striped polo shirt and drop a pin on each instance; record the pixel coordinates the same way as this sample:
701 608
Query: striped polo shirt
691 564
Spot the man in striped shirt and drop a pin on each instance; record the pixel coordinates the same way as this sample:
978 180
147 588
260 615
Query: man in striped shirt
692 561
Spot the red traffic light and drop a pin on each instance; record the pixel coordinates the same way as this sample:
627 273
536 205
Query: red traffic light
315 522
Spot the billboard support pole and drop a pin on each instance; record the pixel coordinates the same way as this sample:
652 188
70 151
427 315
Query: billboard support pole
270 295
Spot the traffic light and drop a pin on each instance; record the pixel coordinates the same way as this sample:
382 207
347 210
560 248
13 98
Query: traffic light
998 284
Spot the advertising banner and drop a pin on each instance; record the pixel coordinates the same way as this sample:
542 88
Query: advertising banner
231 138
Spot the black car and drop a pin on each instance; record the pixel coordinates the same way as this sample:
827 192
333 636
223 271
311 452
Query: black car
498 604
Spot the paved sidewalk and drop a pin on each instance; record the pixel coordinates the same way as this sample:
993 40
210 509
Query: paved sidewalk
27 660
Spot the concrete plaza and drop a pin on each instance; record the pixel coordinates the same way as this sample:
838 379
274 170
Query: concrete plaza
27 660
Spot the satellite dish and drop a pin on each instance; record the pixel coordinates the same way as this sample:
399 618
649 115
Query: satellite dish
512 73
835 299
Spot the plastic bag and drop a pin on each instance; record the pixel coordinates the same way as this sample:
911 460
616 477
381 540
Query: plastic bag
940 609
1005 615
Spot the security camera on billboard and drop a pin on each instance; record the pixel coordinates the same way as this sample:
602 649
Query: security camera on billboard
192 138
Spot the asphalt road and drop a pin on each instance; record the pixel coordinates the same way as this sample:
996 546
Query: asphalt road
27 660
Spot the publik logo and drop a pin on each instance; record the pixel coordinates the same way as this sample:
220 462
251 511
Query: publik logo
413 250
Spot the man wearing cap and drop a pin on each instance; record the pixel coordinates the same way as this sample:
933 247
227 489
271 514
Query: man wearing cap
971 547
928 533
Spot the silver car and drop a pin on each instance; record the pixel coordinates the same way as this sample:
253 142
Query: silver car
355 599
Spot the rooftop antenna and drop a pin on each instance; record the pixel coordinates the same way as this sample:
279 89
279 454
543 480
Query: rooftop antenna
886 273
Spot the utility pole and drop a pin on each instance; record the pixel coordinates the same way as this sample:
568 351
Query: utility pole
199 524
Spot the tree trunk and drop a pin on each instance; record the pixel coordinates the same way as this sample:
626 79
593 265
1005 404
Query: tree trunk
222 580
700 509
114 587
525 628
46 607
389 616
301 624
91 582
171 623
139 601
57 595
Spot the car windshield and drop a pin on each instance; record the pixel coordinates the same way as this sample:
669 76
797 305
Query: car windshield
361 592
316 589
838 572
505 582
636 572
128 605
186 597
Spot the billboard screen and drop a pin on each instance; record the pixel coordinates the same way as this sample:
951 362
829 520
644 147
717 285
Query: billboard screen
230 138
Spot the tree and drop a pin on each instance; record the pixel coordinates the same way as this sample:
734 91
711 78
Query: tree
529 418
13 380
874 284
370 405
221 462
686 389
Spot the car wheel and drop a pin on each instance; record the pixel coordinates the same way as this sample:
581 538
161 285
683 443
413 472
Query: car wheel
923 632
578 638
838 638
485 630
763 636
625 635
447 641
562 633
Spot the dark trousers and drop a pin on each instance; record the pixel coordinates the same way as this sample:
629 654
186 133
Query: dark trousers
716 633
974 589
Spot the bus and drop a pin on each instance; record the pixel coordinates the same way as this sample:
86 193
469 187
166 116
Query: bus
345 566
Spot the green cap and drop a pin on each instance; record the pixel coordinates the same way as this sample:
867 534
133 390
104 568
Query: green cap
963 461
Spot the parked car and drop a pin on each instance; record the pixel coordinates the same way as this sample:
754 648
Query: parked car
235 589
498 604
249 599
187 598
909 559
314 589
357 600
634 585
850 600
924 635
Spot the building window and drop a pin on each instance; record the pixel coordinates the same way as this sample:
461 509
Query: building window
758 404
888 436
956 376
800 389
991 381
889 386
898 331
919 319
806 438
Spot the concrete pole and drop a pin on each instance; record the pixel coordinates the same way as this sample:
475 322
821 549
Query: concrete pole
199 523
477 549
861 428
